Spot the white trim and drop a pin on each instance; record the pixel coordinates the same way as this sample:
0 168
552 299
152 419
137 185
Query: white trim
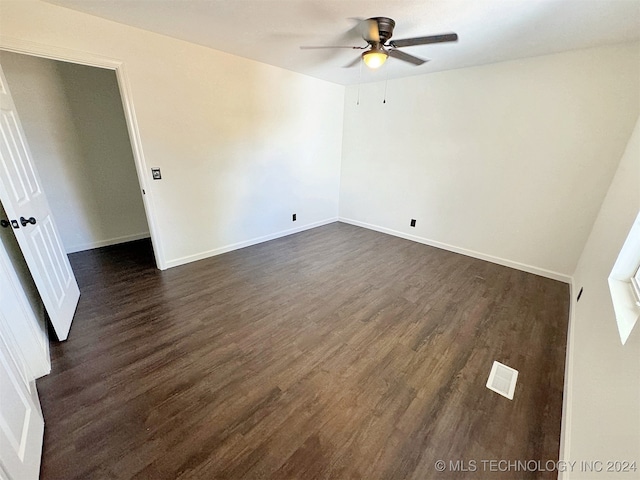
625 307
42 318
247 243
623 296
85 58
33 392
463 251
141 166
635 284
52 52
567 397
105 243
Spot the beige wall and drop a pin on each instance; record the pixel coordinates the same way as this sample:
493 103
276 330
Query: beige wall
242 145
508 162
73 119
602 418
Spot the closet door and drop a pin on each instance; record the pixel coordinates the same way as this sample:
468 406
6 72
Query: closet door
30 215
21 422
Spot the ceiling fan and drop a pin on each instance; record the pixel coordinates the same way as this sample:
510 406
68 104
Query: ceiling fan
376 32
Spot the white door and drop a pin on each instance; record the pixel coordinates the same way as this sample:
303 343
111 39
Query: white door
28 210
20 302
21 422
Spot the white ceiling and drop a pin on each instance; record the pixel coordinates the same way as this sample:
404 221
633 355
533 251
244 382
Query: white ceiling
271 31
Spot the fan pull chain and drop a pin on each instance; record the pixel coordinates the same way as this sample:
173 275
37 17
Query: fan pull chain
359 81
386 80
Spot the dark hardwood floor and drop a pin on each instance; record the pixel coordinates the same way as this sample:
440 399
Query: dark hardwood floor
338 352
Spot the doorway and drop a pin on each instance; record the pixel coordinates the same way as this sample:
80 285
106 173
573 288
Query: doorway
75 124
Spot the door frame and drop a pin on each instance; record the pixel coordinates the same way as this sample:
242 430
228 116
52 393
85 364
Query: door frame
84 58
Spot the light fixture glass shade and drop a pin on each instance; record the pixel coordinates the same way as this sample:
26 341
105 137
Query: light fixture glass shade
374 58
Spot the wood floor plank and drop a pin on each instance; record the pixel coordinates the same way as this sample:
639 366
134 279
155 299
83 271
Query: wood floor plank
337 352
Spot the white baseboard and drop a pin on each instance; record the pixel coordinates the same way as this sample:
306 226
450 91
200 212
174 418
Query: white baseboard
105 243
247 243
463 251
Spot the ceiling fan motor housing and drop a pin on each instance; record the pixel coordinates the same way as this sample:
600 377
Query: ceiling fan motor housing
385 27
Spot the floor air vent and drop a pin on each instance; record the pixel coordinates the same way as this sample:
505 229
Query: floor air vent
502 380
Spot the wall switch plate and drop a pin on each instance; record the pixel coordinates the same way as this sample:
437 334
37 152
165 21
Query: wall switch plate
294 217
413 222
155 173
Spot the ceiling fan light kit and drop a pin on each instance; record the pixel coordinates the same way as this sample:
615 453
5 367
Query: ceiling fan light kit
377 31
374 58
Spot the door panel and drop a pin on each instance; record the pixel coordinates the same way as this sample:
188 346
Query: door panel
21 423
22 196
18 304
59 274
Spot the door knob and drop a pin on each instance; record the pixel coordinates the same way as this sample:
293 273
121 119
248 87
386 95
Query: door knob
4 223
25 221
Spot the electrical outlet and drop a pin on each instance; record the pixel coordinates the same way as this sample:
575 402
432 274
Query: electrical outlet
155 173
293 217
413 222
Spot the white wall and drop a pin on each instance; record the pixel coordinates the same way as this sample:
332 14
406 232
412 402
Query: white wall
602 418
508 162
73 119
242 145
511 160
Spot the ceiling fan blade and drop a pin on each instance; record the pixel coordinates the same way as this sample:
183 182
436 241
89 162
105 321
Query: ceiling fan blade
331 46
353 35
406 57
370 31
355 62
408 42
